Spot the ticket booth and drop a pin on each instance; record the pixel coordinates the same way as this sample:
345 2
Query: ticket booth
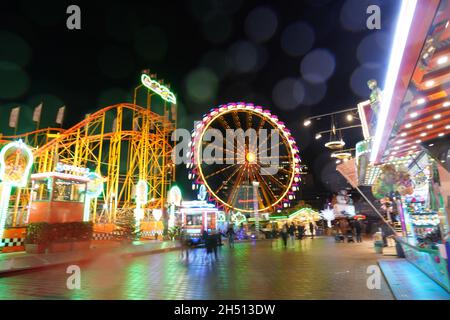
57 197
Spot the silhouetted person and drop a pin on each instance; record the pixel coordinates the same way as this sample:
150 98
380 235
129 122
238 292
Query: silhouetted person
230 236
311 229
284 234
357 226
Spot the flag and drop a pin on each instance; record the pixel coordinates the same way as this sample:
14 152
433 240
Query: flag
60 115
114 125
136 124
14 117
37 113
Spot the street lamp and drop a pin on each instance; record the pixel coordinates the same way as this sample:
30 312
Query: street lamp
318 136
307 122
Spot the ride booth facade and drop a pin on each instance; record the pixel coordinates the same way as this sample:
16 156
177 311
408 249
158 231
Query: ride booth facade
57 197
197 217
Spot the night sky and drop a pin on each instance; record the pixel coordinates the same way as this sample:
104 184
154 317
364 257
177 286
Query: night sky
297 58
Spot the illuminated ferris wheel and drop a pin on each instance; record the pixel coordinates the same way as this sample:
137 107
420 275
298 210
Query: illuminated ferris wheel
265 169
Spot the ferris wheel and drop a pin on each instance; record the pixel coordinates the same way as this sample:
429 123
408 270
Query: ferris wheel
249 176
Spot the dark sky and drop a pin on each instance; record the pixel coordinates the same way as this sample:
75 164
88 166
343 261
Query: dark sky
297 58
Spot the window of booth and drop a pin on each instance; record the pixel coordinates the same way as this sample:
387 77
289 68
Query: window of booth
194 219
42 189
70 191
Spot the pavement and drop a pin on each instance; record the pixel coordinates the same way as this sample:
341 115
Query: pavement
11 263
308 269
407 282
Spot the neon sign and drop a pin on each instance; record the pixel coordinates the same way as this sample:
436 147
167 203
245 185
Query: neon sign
62 167
158 88
16 160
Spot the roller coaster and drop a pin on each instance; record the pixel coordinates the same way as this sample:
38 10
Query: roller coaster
124 143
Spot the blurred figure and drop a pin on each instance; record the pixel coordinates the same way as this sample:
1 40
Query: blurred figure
311 229
357 226
292 232
301 231
209 244
215 243
184 245
230 235
284 234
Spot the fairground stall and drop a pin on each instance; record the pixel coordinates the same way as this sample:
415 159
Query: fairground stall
405 157
302 216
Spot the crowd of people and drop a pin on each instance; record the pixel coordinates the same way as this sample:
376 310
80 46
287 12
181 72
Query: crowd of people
293 232
349 229
288 231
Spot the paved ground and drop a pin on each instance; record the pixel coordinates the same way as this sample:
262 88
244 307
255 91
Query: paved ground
312 269
18 261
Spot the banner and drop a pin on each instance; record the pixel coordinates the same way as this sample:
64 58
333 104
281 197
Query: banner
14 117
37 113
60 115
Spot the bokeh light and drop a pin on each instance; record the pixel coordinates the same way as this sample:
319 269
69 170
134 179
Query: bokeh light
116 62
217 29
261 24
218 62
14 49
373 48
244 56
201 85
14 81
297 39
288 94
120 22
317 66
362 74
151 43
314 92
353 14
205 9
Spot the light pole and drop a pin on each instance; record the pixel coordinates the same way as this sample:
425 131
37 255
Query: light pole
255 206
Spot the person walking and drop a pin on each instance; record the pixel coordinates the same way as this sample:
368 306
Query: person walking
284 234
292 233
215 243
209 244
357 226
182 243
230 235
311 229
301 231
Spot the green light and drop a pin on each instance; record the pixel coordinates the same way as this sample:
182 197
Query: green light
158 88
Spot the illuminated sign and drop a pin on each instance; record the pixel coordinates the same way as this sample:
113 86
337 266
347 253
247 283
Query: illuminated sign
158 88
62 167
95 185
16 160
175 196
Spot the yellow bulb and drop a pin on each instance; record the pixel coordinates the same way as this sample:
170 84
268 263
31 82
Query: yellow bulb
250 156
